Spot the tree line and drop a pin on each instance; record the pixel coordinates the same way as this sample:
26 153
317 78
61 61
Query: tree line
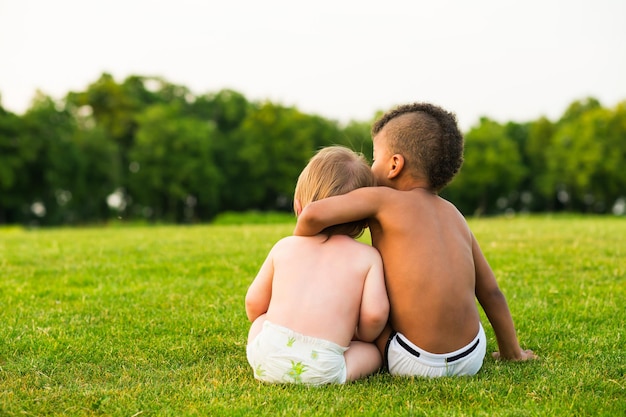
147 149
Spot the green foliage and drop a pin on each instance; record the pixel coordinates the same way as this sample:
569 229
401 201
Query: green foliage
540 182
574 164
14 155
357 137
227 109
586 158
276 142
51 176
113 108
172 166
491 169
98 171
145 149
150 321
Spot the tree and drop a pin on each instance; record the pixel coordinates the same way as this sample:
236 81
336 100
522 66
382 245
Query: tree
155 150
227 109
113 108
491 172
615 178
15 154
173 175
579 107
587 157
541 184
274 143
49 176
357 136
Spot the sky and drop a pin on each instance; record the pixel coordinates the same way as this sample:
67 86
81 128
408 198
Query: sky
340 59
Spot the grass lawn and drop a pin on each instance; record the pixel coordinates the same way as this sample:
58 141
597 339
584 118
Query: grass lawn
150 321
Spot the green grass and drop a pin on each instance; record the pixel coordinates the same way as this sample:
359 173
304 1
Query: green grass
150 321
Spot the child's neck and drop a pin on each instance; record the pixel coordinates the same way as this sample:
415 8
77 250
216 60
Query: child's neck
408 184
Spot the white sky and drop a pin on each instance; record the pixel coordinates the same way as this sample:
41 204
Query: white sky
342 59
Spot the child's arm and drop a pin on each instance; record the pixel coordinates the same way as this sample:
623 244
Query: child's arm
260 291
496 308
374 303
358 204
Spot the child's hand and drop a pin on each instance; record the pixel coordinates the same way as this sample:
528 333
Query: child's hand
524 355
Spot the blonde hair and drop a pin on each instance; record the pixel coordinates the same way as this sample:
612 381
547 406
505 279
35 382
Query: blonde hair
334 170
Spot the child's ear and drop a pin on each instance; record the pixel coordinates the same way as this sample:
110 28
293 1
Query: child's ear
297 207
397 164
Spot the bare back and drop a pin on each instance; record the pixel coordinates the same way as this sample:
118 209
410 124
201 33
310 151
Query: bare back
427 250
318 285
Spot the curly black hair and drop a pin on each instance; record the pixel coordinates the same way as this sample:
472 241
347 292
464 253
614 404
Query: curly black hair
428 138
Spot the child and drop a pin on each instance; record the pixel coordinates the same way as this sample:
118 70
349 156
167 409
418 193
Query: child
314 295
434 267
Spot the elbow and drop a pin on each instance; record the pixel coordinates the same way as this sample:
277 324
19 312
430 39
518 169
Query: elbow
372 324
249 310
253 309
309 222
382 316
490 296
493 303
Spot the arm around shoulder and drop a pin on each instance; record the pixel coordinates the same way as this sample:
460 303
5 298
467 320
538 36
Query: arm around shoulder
358 204
310 221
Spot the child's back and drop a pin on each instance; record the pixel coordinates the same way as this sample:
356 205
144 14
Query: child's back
434 269
429 267
318 302
318 283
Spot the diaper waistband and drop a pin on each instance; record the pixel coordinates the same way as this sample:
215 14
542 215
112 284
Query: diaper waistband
310 340
442 358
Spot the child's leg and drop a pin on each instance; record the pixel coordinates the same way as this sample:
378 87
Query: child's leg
256 327
362 359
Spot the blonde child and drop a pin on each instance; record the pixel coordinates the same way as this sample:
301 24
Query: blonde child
319 301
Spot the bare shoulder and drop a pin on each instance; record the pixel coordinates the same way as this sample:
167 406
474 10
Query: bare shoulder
354 248
454 215
367 249
352 244
286 243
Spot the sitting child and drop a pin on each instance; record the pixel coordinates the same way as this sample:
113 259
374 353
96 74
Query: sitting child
319 301
434 267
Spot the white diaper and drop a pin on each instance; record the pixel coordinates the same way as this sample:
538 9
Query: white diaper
405 358
278 354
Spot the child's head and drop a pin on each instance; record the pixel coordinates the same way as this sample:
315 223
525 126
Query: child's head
428 139
333 171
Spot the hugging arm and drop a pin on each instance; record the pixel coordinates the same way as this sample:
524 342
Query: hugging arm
358 204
